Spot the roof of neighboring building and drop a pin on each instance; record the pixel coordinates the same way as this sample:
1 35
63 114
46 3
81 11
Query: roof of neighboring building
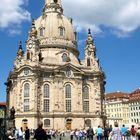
2 103
117 95
135 96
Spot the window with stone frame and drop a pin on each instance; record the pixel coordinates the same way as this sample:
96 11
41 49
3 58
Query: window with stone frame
42 31
46 105
28 56
88 123
64 57
68 105
86 99
68 91
85 92
68 97
86 106
46 123
46 91
26 105
61 31
26 89
88 62
46 94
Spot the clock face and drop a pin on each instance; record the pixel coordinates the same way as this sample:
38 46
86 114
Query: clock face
30 46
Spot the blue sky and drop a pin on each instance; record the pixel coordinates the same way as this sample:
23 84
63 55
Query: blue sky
116 32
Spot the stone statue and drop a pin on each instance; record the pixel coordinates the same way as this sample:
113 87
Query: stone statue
12 113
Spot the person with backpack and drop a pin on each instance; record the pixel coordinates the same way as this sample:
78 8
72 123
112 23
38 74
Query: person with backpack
133 133
124 132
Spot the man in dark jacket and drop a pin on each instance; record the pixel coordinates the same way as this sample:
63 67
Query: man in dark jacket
90 133
27 134
40 133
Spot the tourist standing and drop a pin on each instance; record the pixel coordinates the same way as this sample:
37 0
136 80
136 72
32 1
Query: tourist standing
27 134
133 133
116 132
99 132
90 133
124 133
71 134
138 133
106 132
20 134
40 133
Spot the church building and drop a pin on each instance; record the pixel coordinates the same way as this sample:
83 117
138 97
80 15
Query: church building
49 82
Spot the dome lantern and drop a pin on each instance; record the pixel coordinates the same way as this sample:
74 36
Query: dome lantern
53 5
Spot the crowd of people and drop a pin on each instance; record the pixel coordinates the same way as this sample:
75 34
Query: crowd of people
106 133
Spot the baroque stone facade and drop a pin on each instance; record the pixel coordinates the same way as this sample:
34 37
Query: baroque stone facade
49 82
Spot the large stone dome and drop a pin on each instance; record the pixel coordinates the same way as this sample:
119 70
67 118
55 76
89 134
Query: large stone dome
54 29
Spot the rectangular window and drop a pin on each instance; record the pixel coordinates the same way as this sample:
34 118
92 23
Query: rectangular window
68 105
86 106
46 105
26 105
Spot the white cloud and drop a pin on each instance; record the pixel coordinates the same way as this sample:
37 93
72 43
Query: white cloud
12 14
121 15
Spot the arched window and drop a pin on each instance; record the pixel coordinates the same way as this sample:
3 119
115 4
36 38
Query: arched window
88 62
86 93
46 98
68 97
46 123
68 91
28 56
61 31
88 123
64 57
46 91
42 31
26 90
55 1
86 99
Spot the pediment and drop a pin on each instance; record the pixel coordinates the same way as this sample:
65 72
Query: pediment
69 67
25 70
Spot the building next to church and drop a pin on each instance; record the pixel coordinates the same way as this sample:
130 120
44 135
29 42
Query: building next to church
117 108
49 82
134 107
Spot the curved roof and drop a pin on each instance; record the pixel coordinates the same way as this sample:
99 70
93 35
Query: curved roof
115 95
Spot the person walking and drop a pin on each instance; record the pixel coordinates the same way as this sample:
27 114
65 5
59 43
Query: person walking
27 134
133 132
71 134
138 133
124 133
106 132
20 134
90 133
116 132
99 132
40 133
